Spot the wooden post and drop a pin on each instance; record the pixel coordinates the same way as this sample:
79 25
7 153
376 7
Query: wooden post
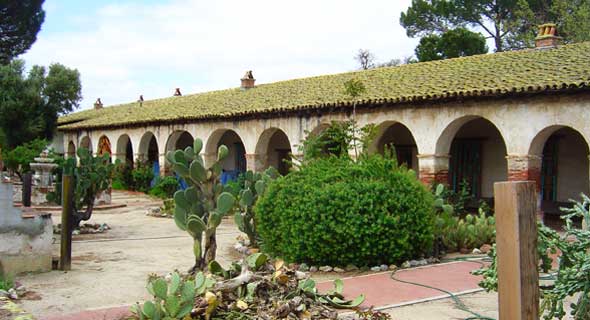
516 242
27 189
67 203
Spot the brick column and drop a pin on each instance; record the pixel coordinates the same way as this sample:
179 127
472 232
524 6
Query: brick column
433 168
524 167
255 161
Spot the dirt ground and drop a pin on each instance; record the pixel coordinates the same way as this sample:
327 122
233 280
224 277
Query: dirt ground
111 269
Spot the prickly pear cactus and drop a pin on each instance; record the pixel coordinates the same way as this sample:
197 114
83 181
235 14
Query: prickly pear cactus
254 186
200 208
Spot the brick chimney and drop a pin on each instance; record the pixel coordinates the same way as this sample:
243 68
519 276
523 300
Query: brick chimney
248 80
98 104
547 37
177 92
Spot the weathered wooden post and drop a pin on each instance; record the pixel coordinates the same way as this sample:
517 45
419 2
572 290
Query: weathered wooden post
67 203
516 242
27 189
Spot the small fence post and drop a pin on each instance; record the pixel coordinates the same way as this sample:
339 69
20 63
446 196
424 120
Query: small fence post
516 242
27 189
67 203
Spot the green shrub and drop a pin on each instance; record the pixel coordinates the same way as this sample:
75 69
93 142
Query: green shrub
142 176
118 185
165 188
122 178
470 232
6 282
137 178
336 211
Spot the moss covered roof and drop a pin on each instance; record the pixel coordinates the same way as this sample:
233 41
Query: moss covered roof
527 71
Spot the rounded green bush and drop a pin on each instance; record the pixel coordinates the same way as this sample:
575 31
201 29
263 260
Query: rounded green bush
335 211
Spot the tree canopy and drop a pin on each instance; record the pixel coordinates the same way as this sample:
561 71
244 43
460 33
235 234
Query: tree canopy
20 21
19 158
455 43
30 104
511 24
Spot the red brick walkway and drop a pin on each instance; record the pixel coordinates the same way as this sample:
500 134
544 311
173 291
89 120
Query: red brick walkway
380 290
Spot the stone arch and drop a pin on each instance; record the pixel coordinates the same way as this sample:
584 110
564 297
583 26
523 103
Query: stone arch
235 163
477 151
125 149
104 147
398 135
148 148
71 153
179 140
274 149
318 129
86 143
565 166
538 142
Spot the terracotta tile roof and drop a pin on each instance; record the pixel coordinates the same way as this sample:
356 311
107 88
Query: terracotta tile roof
527 71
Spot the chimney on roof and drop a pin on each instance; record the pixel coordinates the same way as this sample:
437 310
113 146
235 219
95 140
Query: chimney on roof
547 37
177 92
248 80
98 104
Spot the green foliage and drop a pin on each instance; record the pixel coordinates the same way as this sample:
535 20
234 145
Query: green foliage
512 24
20 21
336 211
173 298
31 104
454 43
544 248
337 140
91 177
571 17
249 191
19 158
136 178
440 201
122 178
168 207
354 88
165 188
142 175
572 278
470 232
6 282
457 200
200 208
454 233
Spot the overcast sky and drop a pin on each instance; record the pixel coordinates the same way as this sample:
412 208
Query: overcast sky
127 48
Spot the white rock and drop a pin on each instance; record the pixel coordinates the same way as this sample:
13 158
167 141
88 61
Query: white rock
326 268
